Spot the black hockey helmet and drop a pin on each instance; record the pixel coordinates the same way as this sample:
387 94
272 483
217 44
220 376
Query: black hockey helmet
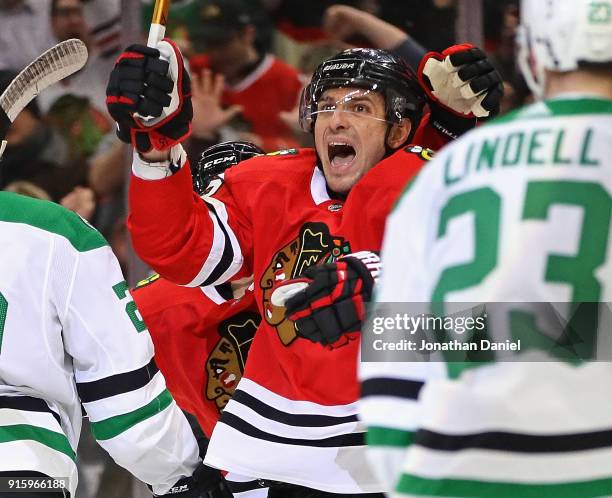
369 69
216 159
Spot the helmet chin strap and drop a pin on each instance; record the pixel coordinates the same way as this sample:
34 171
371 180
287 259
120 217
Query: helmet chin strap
388 150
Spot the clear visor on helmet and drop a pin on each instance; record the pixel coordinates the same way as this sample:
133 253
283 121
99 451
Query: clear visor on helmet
358 103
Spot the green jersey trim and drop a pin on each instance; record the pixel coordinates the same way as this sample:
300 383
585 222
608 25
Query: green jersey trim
556 108
51 217
383 436
113 426
23 432
413 485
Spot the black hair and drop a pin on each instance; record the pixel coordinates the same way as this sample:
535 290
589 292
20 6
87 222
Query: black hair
54 7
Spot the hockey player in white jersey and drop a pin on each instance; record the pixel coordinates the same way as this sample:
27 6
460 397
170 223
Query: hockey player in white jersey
71 338
517 211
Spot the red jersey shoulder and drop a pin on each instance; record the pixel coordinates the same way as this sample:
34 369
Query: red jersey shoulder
395 170
379 189
282 166
155 294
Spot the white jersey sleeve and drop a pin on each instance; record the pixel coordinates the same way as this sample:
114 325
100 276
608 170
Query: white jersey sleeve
71 336
133 416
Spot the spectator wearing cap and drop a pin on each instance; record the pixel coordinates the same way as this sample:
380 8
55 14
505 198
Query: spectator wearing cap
256 86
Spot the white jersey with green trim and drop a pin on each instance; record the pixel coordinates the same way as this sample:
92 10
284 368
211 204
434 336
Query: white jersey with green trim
71 336
517 211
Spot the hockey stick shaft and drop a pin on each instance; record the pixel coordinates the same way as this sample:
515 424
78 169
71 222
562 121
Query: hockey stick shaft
158 22
157 31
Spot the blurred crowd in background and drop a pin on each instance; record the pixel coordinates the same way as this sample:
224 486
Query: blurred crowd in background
248 59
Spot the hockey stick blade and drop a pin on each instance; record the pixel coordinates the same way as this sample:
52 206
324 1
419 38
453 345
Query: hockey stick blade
55 64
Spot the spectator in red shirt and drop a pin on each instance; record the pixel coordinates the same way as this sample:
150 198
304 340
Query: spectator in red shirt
257 85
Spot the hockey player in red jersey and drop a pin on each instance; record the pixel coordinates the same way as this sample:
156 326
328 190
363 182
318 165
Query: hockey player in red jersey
202 334
293 417
201 339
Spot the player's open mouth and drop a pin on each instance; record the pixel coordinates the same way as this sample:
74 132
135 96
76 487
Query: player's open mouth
341 154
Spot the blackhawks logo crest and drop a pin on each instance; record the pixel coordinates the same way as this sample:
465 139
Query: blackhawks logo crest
225 364
313 245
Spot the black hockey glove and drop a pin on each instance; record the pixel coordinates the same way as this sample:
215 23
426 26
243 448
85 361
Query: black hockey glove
462 87
205 482
149 97
333 303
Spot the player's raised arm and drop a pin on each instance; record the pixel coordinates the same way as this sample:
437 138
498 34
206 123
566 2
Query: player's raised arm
186 239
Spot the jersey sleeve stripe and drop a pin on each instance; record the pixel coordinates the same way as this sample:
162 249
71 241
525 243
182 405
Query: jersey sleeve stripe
225 257
400 388
412 485
113 426
51 439
125 402
514 442
218 294
28 404
384 436
117 384
352 439
289 418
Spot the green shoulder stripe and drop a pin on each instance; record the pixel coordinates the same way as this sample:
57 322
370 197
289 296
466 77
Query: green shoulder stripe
556 108
383 436
23 432
418 486
52 218
113 426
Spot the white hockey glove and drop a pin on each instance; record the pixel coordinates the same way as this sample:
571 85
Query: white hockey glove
462 86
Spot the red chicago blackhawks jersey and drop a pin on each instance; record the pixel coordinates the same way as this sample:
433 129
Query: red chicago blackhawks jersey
293 417
271 88
201 342
373 198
